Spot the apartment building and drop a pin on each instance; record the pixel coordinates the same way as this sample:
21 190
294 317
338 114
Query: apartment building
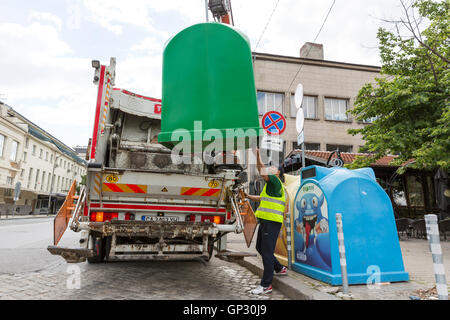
43 165
330 89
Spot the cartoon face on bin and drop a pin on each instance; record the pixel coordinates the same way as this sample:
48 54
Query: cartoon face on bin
311 233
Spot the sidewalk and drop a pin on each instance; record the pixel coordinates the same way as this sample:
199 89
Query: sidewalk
416 257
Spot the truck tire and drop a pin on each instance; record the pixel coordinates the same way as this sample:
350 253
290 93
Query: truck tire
97 244
210 249
108 241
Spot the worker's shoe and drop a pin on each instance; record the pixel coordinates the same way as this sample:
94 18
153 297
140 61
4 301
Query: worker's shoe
262 290
282 272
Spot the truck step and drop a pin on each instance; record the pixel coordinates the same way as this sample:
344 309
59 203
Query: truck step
71 255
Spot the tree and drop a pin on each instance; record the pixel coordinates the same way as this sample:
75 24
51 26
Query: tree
410 102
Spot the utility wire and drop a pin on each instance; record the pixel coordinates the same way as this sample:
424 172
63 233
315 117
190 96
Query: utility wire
318 33
267 23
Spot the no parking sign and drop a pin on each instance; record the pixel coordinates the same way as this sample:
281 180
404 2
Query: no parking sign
274 123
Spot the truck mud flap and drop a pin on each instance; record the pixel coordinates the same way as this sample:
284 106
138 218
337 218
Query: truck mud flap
71 255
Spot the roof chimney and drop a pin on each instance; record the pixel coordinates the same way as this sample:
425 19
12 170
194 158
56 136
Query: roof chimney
312 51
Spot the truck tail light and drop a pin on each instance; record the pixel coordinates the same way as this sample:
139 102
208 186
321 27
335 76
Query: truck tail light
103 216
214 219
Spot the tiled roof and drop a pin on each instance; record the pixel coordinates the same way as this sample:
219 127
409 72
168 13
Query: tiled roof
322 156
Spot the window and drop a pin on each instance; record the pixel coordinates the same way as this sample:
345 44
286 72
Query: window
14 147
270 102
43 180
308 146
46 156
2 142
24 157
398 192
312 146
9 180
22 172
40 153
309 106
34 150
49 182
51 158
27 141
370 120
29 177
341 148
36 180
415 191
335 109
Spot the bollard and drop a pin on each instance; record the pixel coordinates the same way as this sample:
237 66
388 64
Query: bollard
436 253
288 237
343 261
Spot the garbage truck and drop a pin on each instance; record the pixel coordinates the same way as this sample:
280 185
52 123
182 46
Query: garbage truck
142 202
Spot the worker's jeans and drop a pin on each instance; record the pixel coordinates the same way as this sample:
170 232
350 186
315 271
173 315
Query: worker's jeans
265 244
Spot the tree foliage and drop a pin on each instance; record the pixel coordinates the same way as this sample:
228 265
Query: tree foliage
410 101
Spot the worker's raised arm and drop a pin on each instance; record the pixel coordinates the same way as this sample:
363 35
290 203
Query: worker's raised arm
264 173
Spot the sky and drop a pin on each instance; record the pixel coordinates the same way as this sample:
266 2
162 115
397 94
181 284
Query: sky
46 46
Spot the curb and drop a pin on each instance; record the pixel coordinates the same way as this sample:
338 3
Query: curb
26 217
290 287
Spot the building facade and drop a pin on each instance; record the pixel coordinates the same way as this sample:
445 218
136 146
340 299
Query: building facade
44 166
330 89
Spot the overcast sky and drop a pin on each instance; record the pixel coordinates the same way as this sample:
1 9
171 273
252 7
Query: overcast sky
46 46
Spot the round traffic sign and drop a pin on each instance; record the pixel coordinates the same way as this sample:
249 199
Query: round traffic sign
300 120
274 123
298 98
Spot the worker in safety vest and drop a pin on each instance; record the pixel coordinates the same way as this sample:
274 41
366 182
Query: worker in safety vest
270 215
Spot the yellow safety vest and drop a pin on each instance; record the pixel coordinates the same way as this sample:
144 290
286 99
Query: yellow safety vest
271 208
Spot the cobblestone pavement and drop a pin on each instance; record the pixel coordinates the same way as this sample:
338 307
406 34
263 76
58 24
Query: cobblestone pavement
190 280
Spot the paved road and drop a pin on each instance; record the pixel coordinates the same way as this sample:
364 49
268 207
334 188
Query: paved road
28 271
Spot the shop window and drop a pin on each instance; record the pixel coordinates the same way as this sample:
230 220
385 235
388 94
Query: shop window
415 191
398 192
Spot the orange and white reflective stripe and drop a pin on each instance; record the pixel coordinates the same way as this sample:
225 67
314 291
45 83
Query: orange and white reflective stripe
203 192
97 182
106 104
124 188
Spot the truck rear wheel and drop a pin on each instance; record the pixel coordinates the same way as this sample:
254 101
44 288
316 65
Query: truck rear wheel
97 244
210 249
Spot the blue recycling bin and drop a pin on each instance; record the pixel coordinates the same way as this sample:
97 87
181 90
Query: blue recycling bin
370 234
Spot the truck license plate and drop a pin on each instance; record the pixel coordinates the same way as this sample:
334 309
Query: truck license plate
153 218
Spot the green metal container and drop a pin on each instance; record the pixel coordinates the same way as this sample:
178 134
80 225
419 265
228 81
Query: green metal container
208 77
